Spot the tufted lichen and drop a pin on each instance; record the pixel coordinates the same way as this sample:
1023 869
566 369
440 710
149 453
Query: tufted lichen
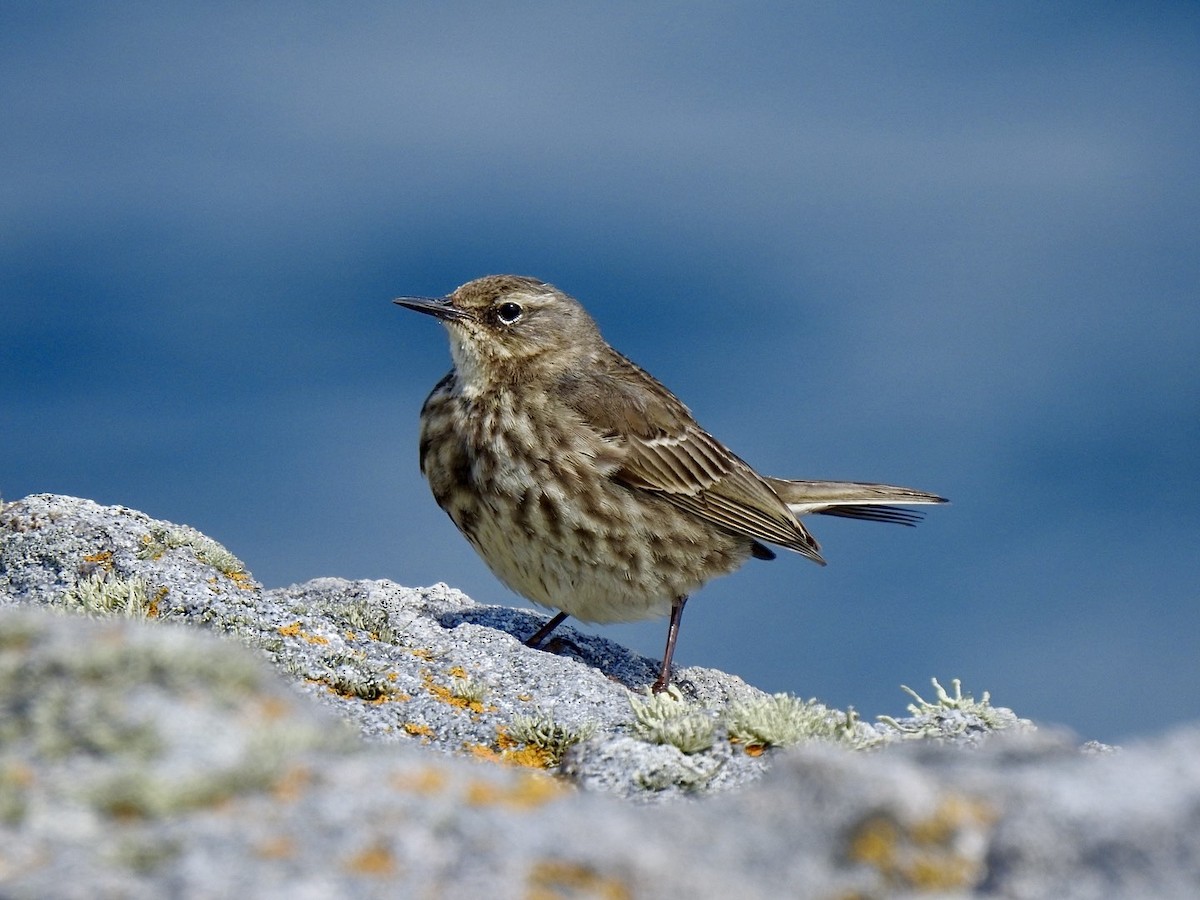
666 718
551 738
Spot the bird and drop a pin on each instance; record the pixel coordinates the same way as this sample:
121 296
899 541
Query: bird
586 485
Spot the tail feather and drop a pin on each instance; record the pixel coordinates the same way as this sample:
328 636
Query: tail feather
894 514
853 500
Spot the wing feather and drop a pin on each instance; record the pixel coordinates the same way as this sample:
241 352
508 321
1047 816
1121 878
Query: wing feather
666 452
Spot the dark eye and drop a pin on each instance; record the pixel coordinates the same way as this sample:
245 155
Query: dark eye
508 312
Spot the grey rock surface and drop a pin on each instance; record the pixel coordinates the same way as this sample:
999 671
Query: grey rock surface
347 739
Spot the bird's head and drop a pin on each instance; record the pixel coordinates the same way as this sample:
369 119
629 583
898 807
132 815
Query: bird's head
501 324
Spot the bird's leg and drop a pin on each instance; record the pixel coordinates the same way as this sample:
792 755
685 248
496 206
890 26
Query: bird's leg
544 632
664 675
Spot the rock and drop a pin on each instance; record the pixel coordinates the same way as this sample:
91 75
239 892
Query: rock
354 746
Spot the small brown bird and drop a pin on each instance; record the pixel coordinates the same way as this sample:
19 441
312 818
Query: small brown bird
585 484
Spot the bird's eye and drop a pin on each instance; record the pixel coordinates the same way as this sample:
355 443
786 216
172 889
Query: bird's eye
508 312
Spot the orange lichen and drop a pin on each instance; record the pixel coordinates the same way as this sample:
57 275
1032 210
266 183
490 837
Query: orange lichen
483 752
425 780
926 854
275 848
446 695
152 611
504 740
551 878
103 559
527 792
242 580
515 753
291 783
294 630
416 729
270 708
530 757
377 860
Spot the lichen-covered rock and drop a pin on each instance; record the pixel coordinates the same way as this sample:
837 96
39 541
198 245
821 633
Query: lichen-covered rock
431 667
360 744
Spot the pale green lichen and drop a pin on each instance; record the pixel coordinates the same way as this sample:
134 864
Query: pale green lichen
780 720
208 551
359 615
468 689
15 781
89 704
951 714
141 794
666 718
685 773
146 857
542 732
105 594
357 685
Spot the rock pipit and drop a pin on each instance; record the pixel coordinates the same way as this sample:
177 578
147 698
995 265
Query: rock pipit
585 484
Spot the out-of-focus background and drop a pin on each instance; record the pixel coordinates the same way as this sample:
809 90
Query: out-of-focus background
950 246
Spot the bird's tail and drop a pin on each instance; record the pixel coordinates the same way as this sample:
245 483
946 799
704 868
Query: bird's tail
852 500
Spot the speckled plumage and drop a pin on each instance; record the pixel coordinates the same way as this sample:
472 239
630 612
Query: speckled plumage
585 484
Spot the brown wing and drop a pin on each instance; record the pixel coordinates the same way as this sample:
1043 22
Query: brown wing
665 451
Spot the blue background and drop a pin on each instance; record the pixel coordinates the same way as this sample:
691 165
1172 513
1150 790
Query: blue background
946 245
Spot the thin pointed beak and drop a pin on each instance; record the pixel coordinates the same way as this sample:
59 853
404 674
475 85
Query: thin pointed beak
438 307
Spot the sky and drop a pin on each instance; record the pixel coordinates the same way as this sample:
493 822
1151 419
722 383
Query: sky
951 246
